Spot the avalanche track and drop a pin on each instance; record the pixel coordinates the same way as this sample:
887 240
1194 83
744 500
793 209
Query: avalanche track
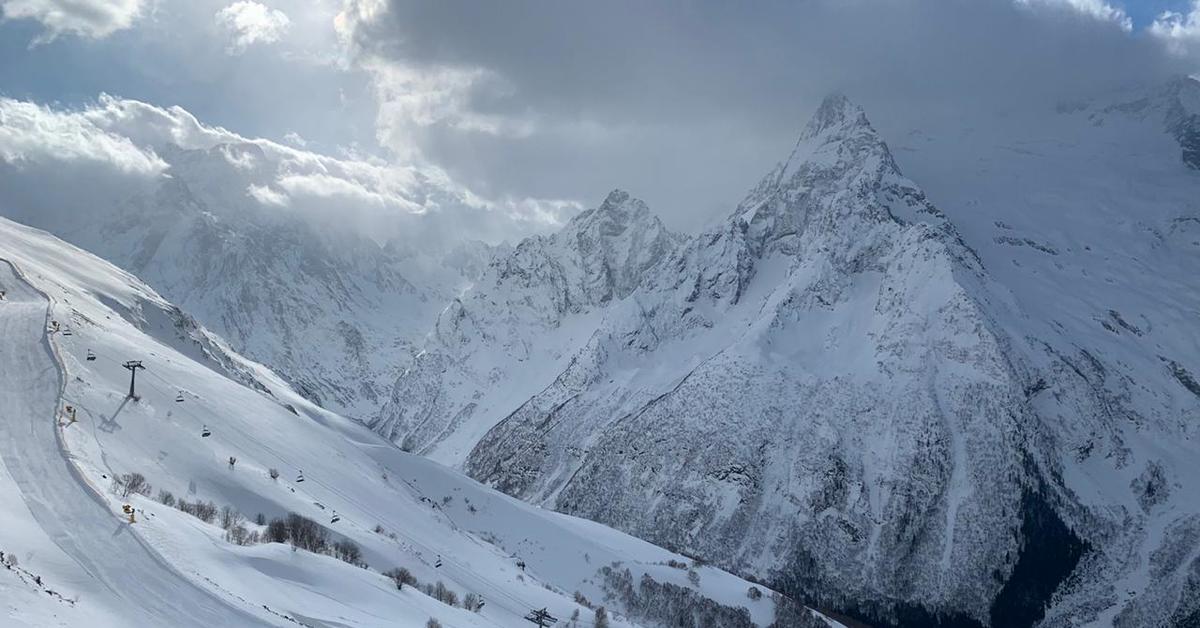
61 500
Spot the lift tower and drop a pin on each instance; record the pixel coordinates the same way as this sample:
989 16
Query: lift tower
133 366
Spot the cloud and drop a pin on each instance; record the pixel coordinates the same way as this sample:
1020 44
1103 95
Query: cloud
412 99
87 18
295 139
32 134
55 160
1097 9
688 103
1179 31
247 23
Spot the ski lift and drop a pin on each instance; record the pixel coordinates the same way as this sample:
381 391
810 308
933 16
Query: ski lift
179 397
91 357
300 477
335 518
205 432
66 331
439 562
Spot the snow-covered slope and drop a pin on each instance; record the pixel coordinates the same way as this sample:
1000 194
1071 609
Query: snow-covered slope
832 389
535 307
305 292
64 523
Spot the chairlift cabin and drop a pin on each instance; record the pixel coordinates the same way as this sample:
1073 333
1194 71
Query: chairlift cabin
91 357
205 432
335 518
66 331
439 562
179 397
300 477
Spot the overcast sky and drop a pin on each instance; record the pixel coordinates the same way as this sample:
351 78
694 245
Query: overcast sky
541 104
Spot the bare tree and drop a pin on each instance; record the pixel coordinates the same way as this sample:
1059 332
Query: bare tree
230 517
306 534
277 531
131 483
401 577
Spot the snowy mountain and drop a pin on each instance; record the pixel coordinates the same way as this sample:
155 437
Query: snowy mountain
979 411
211 428
598 259
330 309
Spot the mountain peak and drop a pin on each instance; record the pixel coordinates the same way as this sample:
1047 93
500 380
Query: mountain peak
836 111
837 142
615 198
619 211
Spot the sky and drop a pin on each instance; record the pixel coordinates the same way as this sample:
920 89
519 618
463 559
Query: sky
538 109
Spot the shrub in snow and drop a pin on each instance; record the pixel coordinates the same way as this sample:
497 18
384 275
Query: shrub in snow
601 618
237 534
347 551
230 517
472 602
130 483
442 593
754 593
401 577
260 519
205 511
277 531
694 577
667 604
677 564
165 497
581 600
433 623
306 534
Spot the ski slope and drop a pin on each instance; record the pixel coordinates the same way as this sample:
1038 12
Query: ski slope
170 567
62 503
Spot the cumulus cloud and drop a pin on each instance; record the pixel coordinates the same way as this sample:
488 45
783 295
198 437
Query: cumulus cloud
295 139
31 134
688 103
55 160
1093 8
87 18
247 23
1179 31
